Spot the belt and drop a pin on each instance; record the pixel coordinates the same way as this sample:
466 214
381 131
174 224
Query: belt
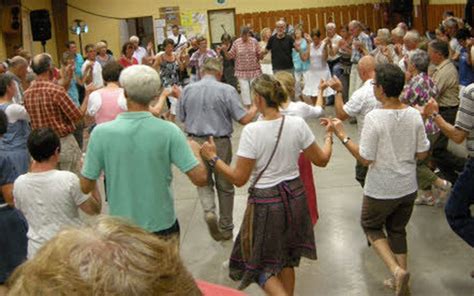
207 136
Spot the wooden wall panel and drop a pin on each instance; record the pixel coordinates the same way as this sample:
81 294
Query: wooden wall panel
371 15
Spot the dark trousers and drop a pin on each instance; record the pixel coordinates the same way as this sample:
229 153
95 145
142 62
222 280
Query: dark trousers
447 162
13 241
361 173
457 208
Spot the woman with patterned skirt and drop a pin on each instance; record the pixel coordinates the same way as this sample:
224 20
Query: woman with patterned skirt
277 230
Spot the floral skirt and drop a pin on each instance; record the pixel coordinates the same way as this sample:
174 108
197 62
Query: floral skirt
275 233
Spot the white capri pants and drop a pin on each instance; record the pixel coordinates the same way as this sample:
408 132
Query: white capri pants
245 91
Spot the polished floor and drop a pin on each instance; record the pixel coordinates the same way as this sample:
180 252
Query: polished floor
439 261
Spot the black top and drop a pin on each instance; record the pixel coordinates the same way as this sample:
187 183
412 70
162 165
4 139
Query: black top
190 53
281 52
8 174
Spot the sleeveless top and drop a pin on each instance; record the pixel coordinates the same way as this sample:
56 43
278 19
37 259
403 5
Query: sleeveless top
109 108
169 72
316 57
16 135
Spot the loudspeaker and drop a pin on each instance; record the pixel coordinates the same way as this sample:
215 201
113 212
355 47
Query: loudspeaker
11 21
40 25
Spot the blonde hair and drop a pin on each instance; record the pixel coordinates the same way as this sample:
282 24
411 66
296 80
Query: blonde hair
99 45
383 35
288 82
270 89
264 31
111 257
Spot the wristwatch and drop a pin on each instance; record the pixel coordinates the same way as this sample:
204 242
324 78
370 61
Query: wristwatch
212 161
345 140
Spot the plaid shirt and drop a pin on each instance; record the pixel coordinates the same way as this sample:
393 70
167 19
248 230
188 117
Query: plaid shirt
49 105
367 43
247 58
197 60
418 91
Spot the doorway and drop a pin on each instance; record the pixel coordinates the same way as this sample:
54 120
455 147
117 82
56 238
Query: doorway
141 27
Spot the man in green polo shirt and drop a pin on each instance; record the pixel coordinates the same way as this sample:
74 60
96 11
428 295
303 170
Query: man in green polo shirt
136 151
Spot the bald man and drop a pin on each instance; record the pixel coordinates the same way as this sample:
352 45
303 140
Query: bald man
360 103
19 69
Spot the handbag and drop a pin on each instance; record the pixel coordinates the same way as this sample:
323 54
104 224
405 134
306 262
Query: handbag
247 224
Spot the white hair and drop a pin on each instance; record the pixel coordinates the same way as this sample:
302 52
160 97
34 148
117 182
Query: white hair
412 35
141 83
281 22
330 26
383 34
134 39
399 32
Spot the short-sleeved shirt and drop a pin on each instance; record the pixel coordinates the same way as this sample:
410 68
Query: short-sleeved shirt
391 138
258 140
446 79
299 64
303 110
466 72
49 105
281 49
363 101
367 43
139 54
8 174
198 58
136 151
465 116
126 62
49 200
247 58
97 79
208 107
418 91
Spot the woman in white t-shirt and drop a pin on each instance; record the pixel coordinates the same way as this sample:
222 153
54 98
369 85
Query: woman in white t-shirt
305 111
277 230
392 139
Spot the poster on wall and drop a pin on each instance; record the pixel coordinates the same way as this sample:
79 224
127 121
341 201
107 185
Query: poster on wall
194 23
220 22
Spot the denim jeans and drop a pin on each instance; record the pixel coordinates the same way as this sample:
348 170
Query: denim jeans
457 208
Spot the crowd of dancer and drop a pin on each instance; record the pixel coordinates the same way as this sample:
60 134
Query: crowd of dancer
136 115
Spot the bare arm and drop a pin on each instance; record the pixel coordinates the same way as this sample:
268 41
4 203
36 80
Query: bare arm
457 135
350 145
87 185
198 174
158 106
320 156
336 84
251 113
7 192
91 206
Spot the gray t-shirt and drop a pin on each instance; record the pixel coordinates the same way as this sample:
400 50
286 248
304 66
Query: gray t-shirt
390 139
208 106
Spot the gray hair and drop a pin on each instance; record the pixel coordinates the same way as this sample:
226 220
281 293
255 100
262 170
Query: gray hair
280 22
18 61
451 22
141 83
42 63
330 26
383 34
412 35
244 30
212 65
399 32
134 39
420 59
356 23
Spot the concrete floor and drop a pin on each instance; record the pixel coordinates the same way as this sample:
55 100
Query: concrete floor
439 261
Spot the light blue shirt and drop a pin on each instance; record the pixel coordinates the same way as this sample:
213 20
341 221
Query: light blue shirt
298 63
208 107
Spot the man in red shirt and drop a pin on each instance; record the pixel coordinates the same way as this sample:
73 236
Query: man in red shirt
49 106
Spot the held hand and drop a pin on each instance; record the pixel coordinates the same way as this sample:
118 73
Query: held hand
208 149
327 123
431 107
335 83
338 127
167 91
176 91
149 46
323 84
90 88
307 37
224 47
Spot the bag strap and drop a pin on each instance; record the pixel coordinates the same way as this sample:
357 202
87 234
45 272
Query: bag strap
271 156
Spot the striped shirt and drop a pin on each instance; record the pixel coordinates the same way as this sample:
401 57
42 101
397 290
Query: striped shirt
465 117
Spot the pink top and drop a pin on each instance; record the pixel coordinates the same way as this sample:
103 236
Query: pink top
209 289
247 58
109 108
